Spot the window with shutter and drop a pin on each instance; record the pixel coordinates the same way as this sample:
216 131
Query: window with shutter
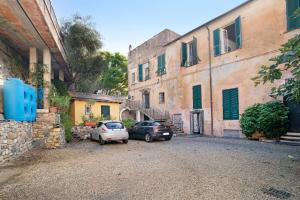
197 97
183 54
293 22
194 58
161 62
105 112
217 46
238 33
140 72
231 104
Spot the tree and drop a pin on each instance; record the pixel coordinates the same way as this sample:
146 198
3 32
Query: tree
81 41
115 78
288 61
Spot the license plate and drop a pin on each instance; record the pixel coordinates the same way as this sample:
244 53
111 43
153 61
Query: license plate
166 133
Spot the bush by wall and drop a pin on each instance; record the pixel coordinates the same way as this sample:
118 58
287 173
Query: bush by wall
270 119
67 124
129 123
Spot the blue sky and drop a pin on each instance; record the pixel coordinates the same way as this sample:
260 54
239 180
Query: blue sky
124 22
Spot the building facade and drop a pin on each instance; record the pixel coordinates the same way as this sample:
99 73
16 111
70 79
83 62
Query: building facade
203 78
85 105
30 35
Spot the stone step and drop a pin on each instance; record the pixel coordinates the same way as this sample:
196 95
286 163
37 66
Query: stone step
293 134
290 138
294 143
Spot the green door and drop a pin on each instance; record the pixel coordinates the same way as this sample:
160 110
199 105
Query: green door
294 116
105 112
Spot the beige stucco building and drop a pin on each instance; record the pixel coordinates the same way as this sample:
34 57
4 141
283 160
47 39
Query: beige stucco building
202 79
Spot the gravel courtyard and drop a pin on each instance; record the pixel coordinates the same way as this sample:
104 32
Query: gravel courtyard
184 168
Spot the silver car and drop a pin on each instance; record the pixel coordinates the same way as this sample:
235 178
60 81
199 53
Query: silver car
107 131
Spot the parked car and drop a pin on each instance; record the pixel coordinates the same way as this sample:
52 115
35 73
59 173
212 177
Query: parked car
150 130
108 131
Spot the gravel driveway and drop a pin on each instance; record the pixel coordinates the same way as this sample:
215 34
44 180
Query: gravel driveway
183 168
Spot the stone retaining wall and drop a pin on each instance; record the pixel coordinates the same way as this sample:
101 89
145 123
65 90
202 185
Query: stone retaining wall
15 139
82 132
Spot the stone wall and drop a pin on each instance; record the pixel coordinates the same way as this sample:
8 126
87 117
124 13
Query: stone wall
81 132
47 132
15 139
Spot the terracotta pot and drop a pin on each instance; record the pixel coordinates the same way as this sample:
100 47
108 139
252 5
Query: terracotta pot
90 123
53 109
257 136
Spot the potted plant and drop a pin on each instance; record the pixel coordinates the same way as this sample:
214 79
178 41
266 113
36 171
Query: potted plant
90 120
52 98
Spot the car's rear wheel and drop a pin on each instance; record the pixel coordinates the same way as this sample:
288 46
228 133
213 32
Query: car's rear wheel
148 138
101 141
125 141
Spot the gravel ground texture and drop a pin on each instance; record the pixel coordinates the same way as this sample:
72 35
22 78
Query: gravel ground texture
183 168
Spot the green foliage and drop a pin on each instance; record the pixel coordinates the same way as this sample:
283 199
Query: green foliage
249 120
129 123
61 88
17 69
82 41
287 61
67 124
115 78
271 119
91 118
56 100
37 76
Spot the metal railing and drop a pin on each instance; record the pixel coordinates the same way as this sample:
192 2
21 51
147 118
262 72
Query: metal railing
153 113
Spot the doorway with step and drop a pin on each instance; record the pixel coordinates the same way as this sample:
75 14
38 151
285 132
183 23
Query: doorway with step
294 116
197 122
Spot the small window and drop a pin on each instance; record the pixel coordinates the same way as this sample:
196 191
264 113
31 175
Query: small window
161 97
189 55
133 78
228 38
88 109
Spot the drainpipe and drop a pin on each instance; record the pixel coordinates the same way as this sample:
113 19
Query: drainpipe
210 83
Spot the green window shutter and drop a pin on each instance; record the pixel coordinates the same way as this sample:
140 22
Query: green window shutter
105 112
197 97
293 22
163 64
158 65
183 54
140 72
217 42
195 53
231 104
238 32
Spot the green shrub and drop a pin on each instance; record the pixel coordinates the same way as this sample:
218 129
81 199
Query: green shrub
249 121
129 123
270 118
273 119
67 124
61 88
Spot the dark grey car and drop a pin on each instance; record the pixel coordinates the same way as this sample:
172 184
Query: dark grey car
150 130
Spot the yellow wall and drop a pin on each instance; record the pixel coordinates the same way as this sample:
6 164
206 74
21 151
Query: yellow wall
78 110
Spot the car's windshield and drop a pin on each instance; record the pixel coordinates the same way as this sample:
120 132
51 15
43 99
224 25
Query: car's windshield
114 125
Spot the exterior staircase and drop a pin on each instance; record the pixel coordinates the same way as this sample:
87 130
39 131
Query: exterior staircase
291 139
154 114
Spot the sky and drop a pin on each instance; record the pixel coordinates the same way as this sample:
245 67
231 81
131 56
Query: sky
125 22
